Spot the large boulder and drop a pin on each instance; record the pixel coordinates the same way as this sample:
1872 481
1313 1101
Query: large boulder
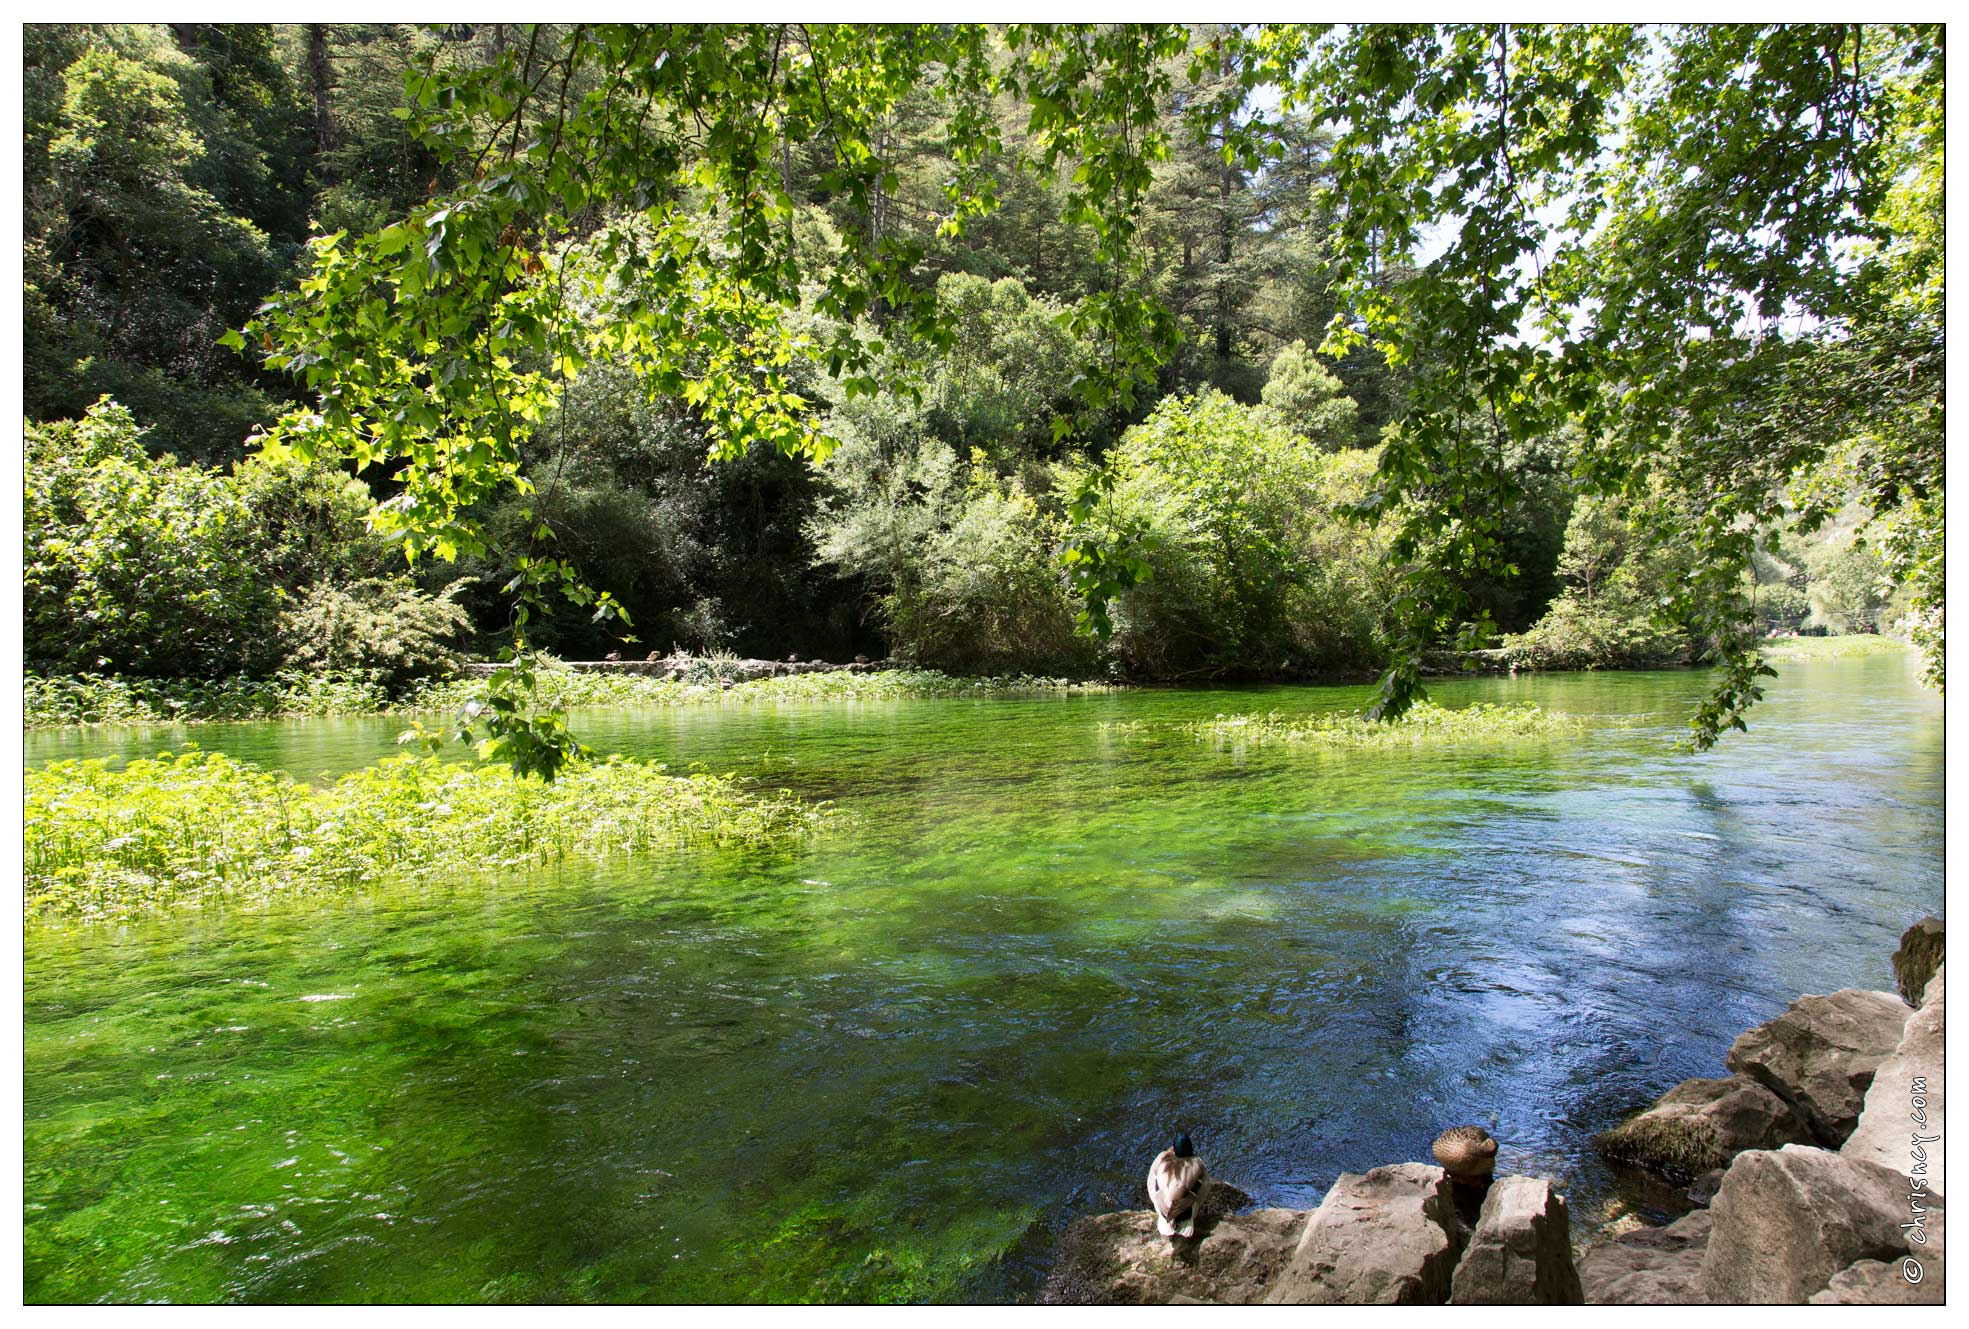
1703 1189
1655 1266
1820 1056
1521 1251
1918 958
1700 1125
1386 1237
1878 1283
1787 1220
1901 1125
1915 1277
1120 1259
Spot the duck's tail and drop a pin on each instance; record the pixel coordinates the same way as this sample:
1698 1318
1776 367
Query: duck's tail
1164 1226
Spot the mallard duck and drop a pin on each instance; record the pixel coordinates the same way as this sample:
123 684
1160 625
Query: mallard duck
1175 1182
1467 1153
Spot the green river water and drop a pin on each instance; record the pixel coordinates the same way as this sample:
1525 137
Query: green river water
892 1063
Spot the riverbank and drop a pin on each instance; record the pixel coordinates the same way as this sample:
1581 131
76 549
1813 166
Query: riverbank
1822 1181
97 699
1512 660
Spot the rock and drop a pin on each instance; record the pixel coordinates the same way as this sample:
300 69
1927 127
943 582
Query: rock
1521 1251
1901 1126
1918 958
1788 1219
1703 1189
1656 1266
1701 1125
1820 1056
1389 1237
1876 1283
1120 1259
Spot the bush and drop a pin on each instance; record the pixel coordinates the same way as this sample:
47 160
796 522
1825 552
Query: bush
1310 400
962 561
139 566
1574 635
384 629
1609 615
1254 568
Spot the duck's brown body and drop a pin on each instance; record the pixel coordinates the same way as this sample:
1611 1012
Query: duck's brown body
1175 1182
1467 1153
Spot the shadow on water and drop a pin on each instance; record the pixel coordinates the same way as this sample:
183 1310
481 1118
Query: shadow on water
891 1064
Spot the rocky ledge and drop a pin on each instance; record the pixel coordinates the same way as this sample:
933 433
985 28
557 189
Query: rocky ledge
1397 1235
1819 1159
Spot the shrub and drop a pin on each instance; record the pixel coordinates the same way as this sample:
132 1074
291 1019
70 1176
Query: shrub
961 560
1609 615
385 629
142 565
1310 400
1253 565
1576 635
135 565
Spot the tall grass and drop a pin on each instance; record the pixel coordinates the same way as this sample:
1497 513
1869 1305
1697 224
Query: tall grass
568 687
1426 723
197 827
110 699
83 699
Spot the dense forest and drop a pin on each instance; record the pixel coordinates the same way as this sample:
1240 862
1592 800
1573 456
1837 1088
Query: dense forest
1253 475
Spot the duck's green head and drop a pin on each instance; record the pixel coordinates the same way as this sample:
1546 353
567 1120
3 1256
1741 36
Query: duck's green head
1183 1147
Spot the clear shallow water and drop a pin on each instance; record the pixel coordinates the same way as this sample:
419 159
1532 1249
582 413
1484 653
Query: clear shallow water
890 1065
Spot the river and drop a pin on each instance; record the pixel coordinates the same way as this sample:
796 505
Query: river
892 1063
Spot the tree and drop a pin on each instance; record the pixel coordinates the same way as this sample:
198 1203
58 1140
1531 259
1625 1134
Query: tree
1008 373
646 161
1850 586
1646 229
147 201
1645 232
1309 400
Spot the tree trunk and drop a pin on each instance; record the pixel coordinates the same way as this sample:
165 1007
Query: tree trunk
1224 183
318 76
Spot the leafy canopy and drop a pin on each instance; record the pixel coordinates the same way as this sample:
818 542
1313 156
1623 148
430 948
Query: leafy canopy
1669 236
